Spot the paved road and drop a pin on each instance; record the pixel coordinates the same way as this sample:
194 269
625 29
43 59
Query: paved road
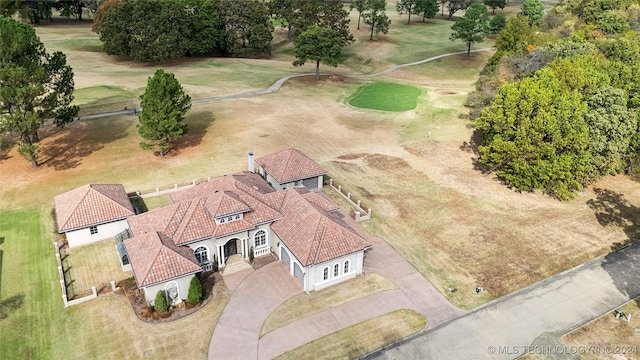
276 86
535 315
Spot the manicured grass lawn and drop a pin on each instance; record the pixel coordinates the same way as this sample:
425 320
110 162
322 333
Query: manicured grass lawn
303 305
362 338
386 96
30 296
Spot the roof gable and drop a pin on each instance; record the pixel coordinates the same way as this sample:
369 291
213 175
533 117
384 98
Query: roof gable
312 234
290 165
155 258
91 204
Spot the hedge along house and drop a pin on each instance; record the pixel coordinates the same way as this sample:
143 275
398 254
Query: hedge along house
92 213
289 168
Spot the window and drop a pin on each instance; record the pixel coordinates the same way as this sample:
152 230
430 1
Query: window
346 267
221 220
230 218
93 230
260 238
336 270
325 274
238 217
202 255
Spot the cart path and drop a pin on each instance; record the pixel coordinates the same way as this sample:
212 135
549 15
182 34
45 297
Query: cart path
278 84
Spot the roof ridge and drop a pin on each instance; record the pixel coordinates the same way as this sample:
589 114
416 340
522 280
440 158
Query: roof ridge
319 244
185 220
107 197
75 207
153 258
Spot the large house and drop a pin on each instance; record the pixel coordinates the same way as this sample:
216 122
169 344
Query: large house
237 214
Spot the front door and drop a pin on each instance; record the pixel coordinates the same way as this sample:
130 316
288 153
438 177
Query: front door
230 248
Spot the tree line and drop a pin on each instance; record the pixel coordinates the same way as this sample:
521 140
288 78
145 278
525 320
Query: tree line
557 104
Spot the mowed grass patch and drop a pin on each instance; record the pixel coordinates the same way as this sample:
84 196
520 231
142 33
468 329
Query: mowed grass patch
100 98
386 96
304 305
362 338
92 265
619 333
30 295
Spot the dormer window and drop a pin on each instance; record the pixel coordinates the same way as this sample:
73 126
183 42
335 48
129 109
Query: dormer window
228 218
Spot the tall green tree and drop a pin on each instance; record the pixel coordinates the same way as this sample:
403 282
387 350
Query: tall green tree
35 86
611 128
283 10
473 26
164 105
494 4
247 26
319 44
535 136
428 9
376 17
407 7
327 13
533 10
453 6
360 6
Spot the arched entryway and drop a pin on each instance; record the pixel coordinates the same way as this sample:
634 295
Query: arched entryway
231 247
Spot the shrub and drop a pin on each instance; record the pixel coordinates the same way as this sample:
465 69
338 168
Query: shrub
160 303
195 291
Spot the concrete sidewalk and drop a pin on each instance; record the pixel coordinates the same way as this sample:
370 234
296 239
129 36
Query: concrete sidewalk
503 329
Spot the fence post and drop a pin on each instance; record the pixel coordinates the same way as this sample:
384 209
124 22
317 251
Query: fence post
95 292
359 203
330 182
194 183
157 190
340 188
357 216
209 179
138 193
65 301
369 212
349 196
175 187
113 286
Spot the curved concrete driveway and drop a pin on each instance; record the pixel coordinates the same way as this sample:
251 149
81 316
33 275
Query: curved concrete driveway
254 295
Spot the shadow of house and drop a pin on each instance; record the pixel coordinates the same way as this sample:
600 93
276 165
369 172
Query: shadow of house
623 263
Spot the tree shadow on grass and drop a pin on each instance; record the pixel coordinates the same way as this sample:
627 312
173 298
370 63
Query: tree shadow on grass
471 146
198 124
623 263
10 304
612 209
77 141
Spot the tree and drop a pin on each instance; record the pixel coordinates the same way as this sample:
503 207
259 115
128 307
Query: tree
160 303
326 13
321 44
247 26
195 291
376 17
516 36
283 10
454 6
473 26
164 104
611 127
428 9
535 136
359 5
407 7
534 11
493 4
35 86
497 23
612 23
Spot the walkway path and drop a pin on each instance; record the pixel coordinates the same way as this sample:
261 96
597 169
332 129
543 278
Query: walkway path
503 329
276 86
255 294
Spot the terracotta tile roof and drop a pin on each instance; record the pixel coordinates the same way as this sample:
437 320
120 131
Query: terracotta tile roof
319 199
155 258
290 165
225 203
312 234
91 204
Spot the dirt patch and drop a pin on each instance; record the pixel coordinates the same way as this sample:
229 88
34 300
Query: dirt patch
324 79
352 156
449 92
385 162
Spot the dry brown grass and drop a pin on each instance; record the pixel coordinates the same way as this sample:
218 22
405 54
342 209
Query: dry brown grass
362 338
92 265
303 305
621 335
111 330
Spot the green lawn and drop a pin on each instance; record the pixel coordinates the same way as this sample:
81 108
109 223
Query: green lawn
386 96
30 297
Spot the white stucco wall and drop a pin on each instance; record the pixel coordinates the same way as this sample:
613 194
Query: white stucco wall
105 231
183 288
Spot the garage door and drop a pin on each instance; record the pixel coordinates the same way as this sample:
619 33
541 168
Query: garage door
285 257
310 183
297 272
